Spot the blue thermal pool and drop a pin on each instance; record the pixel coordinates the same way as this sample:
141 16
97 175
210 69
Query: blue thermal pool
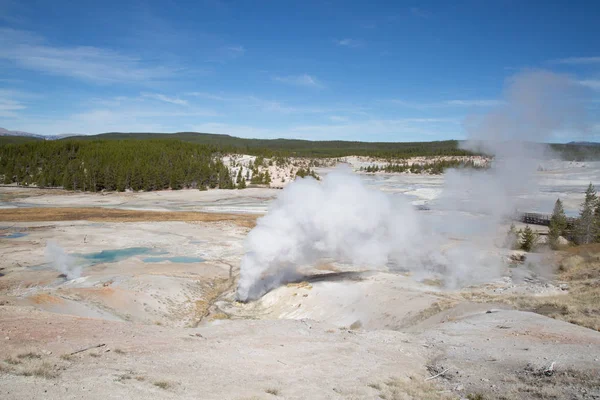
14 235
110 256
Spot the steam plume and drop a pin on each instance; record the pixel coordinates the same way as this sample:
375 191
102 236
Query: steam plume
61 261
342 219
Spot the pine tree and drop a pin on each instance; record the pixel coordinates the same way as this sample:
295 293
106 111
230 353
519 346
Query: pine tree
512 237
558 224
528 238
586 229
597 221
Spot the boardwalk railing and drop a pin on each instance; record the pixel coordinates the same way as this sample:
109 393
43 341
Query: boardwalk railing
542 219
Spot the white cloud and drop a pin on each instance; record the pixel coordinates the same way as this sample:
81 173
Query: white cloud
166 99
349 42
300 80
578 60
83 62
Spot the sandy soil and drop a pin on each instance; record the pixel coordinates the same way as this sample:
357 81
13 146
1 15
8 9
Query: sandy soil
170 327
250 200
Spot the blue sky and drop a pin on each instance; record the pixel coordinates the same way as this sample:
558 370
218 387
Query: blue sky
368 70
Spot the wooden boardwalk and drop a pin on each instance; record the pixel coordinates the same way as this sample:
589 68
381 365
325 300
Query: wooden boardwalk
542 219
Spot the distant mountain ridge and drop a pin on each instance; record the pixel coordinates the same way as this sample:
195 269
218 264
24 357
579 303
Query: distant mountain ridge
303 148
594 144
6 132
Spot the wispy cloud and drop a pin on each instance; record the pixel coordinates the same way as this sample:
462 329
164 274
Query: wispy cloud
10 10
120 114
13 101
591 83
9 107
225 54
473 103
235 51
370 129
300 80
419 12
88 63
257 103
252 104
349 42
212 96
166 99
381 129
447 103
577 60
338 118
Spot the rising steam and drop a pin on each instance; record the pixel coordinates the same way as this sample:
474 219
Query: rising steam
58 258
341 219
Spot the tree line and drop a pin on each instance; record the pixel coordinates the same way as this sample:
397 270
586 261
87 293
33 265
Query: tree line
114 165
321 149
297 148
584 229
437 167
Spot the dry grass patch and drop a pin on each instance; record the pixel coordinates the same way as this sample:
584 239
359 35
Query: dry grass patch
412 388
300 285
580 269
44 370
532 383
163 384
433 309
12 361
272 391
5 369
116 215
433 282
29 356
211 291
219 316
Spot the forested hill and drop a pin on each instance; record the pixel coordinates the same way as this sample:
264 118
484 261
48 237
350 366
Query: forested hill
295 147
15 139
308 148
114 165
183 160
